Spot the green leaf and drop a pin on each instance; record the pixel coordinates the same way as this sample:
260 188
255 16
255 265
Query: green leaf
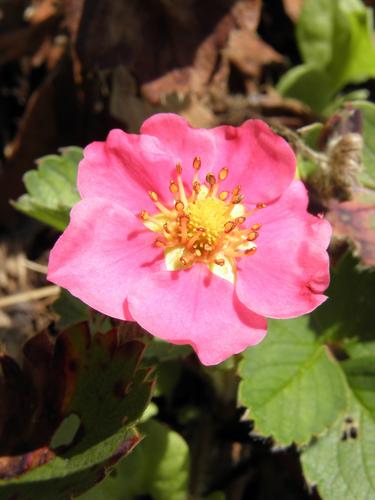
311 134
335 41
159 350
305 82
306 166
342 463
349 311
52 188
63 477
291 384
367 177
158 467
360 349
360 373
102 402
70 309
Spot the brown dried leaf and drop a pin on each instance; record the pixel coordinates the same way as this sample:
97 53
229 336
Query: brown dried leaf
181 59
293 8
250 53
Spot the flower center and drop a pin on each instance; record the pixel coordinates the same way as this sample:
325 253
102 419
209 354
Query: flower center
210 214
205 225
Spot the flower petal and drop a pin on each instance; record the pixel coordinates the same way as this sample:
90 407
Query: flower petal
198 308
124 169
183 143
287 274
101 252
260 161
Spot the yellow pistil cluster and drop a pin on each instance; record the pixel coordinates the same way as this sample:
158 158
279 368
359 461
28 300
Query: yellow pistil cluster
203 226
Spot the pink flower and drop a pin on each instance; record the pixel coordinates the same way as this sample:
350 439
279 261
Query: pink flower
195 234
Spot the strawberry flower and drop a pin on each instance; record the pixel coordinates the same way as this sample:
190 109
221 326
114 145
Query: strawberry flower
198 235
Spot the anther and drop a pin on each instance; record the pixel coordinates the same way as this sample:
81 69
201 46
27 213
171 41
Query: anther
223 195
255 227
144 215
198 253
223 174
219 262
237 199
197 163
179 206
153 196
253 235
196 186
261 205
236 190
166 228
179 168
228 226
173 188
240 220
183 218
159 243
183 261
250 251
210 178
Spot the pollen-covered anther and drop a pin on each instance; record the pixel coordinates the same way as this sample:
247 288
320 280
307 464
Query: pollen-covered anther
179 206
154 197
237 199
197 187
197 163
223 174
173 188
160 243
144 215
223 195
251 250
219 262
239 220
255 227
261 205
229 226
253 235
211 179
236 190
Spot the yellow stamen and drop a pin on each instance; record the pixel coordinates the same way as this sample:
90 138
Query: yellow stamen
201 225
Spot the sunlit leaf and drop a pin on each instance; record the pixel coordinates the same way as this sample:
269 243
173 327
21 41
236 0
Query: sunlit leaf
342 463
336 42
51 188
291 384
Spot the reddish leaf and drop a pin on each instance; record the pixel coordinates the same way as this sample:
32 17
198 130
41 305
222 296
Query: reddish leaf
354 220
16 465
